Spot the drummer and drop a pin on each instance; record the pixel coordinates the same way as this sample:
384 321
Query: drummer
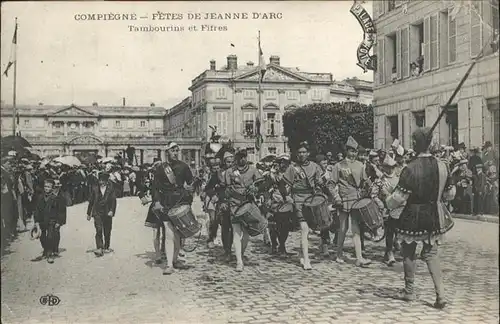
221 208
172 185
305 179
239 181
210 200
327 189
282 221
349 176
381 189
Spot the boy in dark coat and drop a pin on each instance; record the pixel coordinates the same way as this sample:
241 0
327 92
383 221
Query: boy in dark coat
48 220
102 206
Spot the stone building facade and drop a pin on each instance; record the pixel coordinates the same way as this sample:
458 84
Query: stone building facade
423 50
105 130
228 99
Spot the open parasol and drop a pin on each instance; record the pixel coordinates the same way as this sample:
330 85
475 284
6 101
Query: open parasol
68 160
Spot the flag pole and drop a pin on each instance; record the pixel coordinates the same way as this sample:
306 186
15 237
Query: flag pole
14 106
260 102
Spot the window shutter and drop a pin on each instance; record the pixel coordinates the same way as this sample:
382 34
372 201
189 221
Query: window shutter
463 122
406 129
400 127
452 39
398 53
380 60
405 52
475 29
476 121
381 132
226 124
434 44
427 50
277 124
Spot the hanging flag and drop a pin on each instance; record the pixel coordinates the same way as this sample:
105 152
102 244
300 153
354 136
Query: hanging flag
258 137
262 62
12 58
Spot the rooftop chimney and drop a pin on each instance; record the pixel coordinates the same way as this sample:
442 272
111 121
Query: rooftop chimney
274 59
40 103
212 65
123 101
94 104
152 104
232 62
249 63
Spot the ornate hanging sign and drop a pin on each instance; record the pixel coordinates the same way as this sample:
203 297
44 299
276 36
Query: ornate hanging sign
365 60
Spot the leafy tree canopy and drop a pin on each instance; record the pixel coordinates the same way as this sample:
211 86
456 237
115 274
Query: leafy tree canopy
326 126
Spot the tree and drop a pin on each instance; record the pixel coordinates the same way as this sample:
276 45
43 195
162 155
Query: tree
326 126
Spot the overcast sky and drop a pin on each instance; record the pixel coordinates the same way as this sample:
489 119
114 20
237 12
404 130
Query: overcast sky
64 61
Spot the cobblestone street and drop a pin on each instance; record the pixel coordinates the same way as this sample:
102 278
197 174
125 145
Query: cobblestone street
128 287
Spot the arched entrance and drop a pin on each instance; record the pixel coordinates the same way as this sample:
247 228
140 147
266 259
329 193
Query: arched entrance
85 144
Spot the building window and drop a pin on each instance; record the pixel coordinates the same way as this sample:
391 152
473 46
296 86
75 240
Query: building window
391 5
292 95
143 123
452 122
248 123
391 57
27 122
221 118
271 94
405 52
251 154
316 94
419 118
417 49
249 94
118 124
158 123
394 127
496 125
272 150
221 93
271 124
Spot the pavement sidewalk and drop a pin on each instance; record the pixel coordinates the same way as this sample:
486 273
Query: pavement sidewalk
482 218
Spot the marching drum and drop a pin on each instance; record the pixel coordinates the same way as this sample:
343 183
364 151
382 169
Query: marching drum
183 219
316 208
369 214
249 215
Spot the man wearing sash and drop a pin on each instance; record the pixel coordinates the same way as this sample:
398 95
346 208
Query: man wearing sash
305 179
239 181
425 186
172 186
349 176
327 189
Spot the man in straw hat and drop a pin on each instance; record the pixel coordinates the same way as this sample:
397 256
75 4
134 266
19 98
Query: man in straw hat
423 185
102 207
172 185
349 177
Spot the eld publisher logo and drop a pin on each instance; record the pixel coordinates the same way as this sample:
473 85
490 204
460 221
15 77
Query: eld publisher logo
50 300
